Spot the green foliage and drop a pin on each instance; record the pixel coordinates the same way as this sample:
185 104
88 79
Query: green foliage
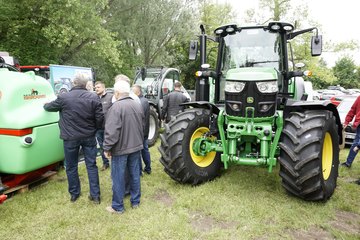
58 32
322 77
346 72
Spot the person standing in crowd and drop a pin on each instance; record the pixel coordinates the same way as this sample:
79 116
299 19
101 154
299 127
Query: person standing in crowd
123 142
353 112
146 108
122 77
356 149
171 103
81 115
105 99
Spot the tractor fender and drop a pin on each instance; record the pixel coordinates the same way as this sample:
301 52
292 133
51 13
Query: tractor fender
292 106
203 104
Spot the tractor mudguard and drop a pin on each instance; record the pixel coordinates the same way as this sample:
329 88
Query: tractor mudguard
204 105
292 106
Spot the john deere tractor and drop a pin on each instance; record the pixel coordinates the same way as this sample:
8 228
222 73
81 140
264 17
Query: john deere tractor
258 115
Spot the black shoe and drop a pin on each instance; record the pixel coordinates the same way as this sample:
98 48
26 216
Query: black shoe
73 198
147 172
96 200
357 182
344 164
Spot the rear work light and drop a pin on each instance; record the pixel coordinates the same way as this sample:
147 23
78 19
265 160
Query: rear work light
15 132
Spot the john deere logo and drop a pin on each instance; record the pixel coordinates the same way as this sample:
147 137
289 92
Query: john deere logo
250 100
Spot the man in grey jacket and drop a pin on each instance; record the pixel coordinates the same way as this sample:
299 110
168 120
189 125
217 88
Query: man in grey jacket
124 135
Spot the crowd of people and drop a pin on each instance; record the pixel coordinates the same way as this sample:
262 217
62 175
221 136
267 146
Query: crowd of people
111 121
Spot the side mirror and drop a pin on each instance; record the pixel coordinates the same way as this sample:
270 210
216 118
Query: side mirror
143 73
316 45
193 49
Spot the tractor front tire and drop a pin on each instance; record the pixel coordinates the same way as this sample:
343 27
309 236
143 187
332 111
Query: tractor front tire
153 126
177 156
309 156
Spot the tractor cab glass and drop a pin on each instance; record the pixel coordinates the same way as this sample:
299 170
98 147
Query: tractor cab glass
148 81
250 48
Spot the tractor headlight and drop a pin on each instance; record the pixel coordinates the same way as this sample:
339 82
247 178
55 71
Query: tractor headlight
234 87
267 87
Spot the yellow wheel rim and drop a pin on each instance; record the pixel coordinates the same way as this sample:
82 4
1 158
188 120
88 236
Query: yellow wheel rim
201 161
327 156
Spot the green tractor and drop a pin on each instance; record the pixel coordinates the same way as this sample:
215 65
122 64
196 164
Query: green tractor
258 116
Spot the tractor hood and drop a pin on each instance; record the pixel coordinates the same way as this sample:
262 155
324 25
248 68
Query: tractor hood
252 74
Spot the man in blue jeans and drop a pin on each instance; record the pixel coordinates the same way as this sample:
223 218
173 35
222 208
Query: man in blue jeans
123 142
146 108
354 112
105 99
81 115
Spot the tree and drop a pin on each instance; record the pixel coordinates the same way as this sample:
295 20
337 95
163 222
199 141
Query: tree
58 32
147 27
346 72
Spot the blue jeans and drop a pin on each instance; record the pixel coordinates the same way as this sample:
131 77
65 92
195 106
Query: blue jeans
118 165
145 157
356 142
100 139
71 150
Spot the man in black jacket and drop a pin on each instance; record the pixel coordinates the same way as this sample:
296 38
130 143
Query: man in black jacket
171 103
81 115
146 108
106 101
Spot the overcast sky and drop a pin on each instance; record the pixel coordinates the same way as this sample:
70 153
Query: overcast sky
340 20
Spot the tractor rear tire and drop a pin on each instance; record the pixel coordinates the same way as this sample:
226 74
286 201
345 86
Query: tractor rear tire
153 126
177 156
309 156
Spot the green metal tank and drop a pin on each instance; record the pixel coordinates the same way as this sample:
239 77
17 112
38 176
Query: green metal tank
29 136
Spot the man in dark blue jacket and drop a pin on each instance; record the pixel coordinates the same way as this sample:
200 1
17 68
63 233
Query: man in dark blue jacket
146 108
81 115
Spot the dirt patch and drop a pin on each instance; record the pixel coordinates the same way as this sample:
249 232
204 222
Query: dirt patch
346 222
163 197
311 233
203 223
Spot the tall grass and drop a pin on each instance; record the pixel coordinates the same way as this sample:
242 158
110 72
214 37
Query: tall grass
244 203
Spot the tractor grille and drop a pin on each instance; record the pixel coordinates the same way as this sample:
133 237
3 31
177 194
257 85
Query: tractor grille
263 103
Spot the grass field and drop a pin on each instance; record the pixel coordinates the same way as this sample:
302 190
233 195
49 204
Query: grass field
244 203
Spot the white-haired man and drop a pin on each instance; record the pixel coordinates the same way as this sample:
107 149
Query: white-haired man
123 143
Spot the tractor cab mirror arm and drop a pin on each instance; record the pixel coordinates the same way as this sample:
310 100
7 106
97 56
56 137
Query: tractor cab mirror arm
206 73
292 74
